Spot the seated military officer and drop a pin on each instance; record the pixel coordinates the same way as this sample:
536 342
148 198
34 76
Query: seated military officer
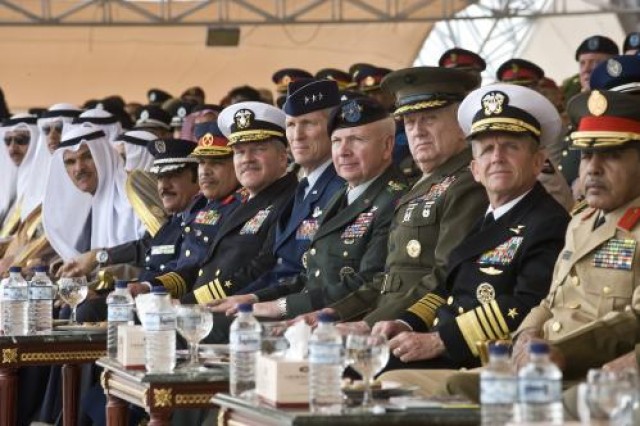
257 136
590 315
345 251
503 267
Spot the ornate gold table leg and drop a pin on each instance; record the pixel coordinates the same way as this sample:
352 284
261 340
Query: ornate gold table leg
8 396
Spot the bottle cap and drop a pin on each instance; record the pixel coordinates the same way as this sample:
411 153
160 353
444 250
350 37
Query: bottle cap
40 268
326 317
245 307
539 348
15 269
160 290
122 283
498 349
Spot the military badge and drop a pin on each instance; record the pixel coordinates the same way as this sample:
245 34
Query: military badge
438 189
493 103
503 254
209 217
513 313
206 140
485 293
307 230
253 225
346 270
160 146
517 230
144 115
593 43
395 186
317 212
597 103
304 259
491 271
426 209
182 112
414 248
369 81
614 68
351 112
243 118
634 40
408 212
358 228
615 254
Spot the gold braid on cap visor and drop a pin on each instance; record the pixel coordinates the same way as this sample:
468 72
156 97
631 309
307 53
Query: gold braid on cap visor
253 136
211 150
419 106
504 124
602 139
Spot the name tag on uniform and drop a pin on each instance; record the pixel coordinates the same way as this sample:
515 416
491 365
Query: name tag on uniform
253 225
168 249
615 254
503 254
307 229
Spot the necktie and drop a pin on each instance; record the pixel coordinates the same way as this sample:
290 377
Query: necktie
300 191
488 220
599 221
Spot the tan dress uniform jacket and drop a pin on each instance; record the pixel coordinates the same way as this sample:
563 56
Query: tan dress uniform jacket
591 311
429 221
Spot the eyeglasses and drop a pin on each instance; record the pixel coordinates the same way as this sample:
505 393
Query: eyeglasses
54 126
18 140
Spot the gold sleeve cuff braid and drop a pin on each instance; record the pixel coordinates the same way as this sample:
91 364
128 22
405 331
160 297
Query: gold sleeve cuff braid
482 324
174 284
426 307
209 292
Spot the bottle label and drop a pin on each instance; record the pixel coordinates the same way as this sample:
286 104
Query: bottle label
325 353
120 313
245 341
539 391
41 293
160 321
15 293
498 390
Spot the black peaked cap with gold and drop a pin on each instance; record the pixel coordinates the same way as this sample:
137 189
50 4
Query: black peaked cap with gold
252 122
356 112
604 120
423 88
509 108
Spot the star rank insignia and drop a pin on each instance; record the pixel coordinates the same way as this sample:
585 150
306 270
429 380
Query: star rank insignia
227 284
513 313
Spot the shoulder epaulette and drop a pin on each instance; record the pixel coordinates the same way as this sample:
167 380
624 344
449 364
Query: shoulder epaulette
629 219
578 207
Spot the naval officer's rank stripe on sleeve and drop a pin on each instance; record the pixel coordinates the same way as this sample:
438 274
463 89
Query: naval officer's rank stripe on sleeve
425 308
209 292
174 284
481 324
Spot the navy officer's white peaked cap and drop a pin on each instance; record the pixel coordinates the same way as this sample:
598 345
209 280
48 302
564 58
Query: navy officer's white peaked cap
252 122
509 108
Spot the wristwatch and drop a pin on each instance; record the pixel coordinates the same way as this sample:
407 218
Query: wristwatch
282 307
102 257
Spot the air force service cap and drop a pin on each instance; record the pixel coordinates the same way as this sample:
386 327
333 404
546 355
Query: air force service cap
423 88
508 108
170 155
305 96
252 122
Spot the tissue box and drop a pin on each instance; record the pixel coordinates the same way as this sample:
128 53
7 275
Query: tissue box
282 382
131 346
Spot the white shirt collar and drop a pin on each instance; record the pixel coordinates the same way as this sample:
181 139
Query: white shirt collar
313 177
503 209
356 191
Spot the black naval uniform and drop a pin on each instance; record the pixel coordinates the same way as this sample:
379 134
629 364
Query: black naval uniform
241 240
348 248
496 275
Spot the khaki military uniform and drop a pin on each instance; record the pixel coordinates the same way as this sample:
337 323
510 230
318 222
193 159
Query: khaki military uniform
430 220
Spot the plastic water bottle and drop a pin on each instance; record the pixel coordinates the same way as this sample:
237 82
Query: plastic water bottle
244 345
498 387
119 312
325 367
160 334
539 388
15 304
41 295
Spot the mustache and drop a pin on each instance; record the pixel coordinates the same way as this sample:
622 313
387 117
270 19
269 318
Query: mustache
249 167
82 175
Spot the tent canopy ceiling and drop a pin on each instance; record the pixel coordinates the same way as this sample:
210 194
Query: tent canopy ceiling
44 65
